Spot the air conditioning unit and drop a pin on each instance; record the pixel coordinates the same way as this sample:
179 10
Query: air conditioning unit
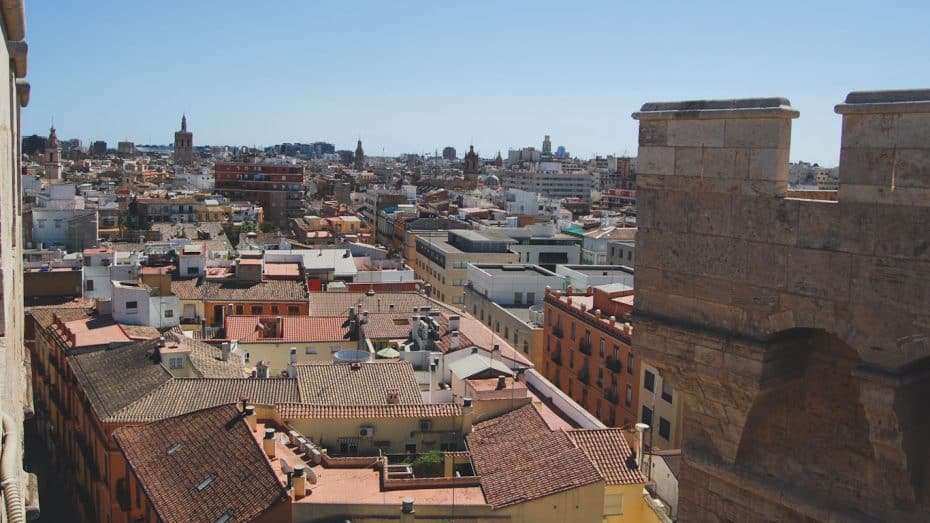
426 425
366 431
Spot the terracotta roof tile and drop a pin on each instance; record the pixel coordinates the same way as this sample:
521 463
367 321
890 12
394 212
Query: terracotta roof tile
174 458
207 360
608 451
114 378
398 410
296 329
329 383
270 290
516 456
183 395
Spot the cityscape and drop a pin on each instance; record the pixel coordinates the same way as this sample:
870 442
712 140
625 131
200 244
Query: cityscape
698 325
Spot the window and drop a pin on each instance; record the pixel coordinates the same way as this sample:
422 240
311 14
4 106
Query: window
629 255
292 310
246 357
239 309
274 309
175 363
649 381
132 307
256 309
458 299
457 283
667 391
602 347
572 329
584 396
506 332
169 313
517 298
58 224
530 298
89 285
665 429
647 416
526 347
629 362
629 395
310 351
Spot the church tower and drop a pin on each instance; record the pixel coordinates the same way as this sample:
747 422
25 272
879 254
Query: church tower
53 156
183 144
359 157
471 163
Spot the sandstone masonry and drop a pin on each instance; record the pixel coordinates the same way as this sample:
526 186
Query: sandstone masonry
797 329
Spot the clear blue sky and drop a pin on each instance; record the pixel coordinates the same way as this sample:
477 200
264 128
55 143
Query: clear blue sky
411 76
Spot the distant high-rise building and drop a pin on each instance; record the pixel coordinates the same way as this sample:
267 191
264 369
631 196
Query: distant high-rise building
34 144
183 144
278 188
125 149
448 153
547 148
359 156
560 152
99 148
471 161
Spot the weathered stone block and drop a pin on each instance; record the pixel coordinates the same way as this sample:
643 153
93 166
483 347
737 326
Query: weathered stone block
730 162
695 133
768 164
768 265
848 227
708 255
708 213
902 232
866 166
908 196
903 284
869 130
770 133
653 132
689 161
912 130
819 273
912 168
769 220
754 188
656 160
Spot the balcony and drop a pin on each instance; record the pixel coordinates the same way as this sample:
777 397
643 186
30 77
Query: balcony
612 396
557 331
585 346
584 376
614 364
556 357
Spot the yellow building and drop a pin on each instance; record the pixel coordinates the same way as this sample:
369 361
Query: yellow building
270 339
442 263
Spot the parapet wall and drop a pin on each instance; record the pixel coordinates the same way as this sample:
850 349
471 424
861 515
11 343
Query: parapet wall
796 330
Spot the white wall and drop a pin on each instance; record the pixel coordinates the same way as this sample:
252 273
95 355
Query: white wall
121 296
501 288
562 401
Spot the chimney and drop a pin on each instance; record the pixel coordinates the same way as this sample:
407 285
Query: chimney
278 327
613 321
454 340
268 442
393 396
407 512
293 357
262 370
454 323
224 351
501 383
299 481
468 416
640 429
569 290
250 418
496 351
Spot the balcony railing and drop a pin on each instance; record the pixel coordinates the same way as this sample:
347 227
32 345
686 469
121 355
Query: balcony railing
584 346
612 396
614 364
556 357
584 376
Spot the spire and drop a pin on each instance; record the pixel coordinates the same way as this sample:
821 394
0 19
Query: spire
183 122
53 138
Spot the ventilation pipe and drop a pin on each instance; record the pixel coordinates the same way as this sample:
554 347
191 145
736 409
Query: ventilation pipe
268 442
15 505
299 481
640 429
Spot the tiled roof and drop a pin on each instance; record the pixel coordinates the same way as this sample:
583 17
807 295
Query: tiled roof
338 303
519 458
608 451
271 290
183 395
329 383
388 326
114 378
296 329
208 362
187 289
44 316
398 410
175 458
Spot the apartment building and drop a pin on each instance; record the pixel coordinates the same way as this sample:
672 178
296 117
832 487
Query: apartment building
277 187
587 348
442 262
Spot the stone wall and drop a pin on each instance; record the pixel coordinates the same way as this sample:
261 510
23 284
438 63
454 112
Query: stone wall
796 329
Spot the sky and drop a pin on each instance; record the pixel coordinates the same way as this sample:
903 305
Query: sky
416 76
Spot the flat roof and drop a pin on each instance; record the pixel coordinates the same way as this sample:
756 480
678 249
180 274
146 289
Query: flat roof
500 269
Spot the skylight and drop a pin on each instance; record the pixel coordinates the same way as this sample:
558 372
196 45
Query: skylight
205 483
174 448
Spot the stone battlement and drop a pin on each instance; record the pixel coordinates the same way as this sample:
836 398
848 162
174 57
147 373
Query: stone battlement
797 330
